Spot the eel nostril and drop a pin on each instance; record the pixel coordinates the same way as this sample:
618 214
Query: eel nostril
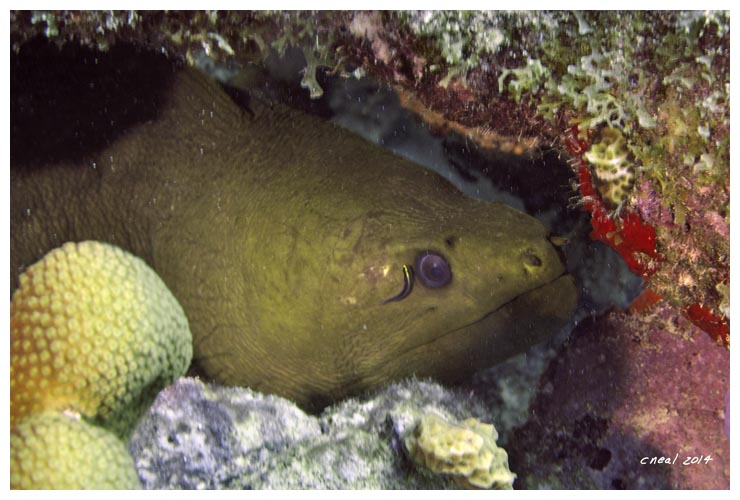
531 259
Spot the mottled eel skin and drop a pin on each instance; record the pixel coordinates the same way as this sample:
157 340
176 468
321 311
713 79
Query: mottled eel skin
283 237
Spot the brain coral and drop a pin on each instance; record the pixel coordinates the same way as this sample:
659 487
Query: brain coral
467 452
43 447
94 331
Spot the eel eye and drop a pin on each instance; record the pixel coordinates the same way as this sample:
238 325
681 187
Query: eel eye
433 270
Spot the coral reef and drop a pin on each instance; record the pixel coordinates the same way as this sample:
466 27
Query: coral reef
466 451
94 335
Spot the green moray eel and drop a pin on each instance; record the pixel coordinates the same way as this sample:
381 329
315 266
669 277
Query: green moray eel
309 262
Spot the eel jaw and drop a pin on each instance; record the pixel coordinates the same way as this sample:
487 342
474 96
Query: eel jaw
499 334
534 292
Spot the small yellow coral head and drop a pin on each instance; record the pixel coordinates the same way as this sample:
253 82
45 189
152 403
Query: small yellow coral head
613 166
466 452
93 330
58 451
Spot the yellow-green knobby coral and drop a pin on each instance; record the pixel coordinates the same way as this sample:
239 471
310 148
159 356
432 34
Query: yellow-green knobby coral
94 330
94 333
61 451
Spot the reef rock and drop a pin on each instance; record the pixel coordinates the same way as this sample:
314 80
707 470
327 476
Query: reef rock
201 436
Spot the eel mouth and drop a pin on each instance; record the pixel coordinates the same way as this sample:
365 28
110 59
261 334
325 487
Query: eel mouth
507 330
531 292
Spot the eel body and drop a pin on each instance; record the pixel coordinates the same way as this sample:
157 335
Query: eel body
294 246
